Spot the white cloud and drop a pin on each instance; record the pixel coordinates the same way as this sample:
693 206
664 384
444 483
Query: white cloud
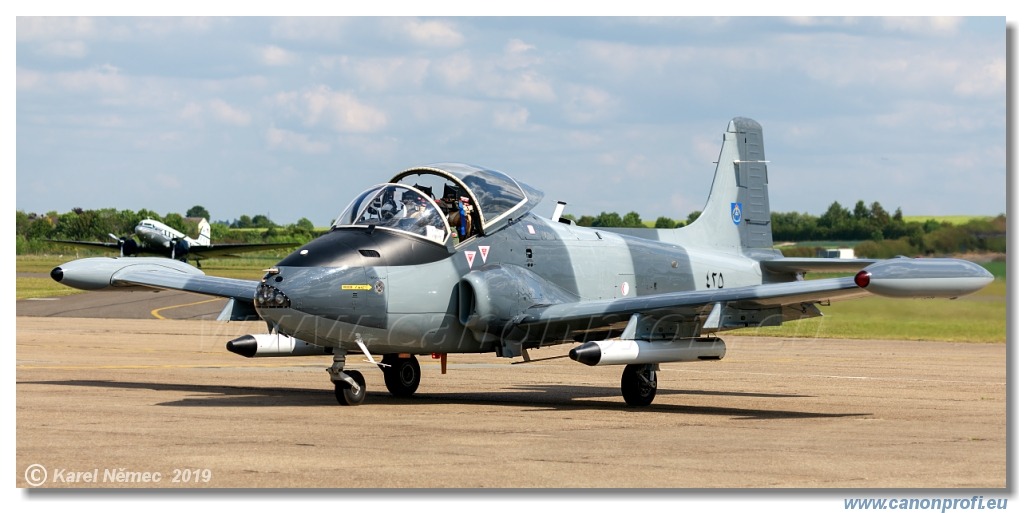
455 70
434 33
518 54
389 73
454 110
216 109
311 28
192 112
276 56
587 104
27 79
528 85
68 49
639 166
511 117
985 79
494 77
581 139
226 113
287 140
943 25
340 111
627 60
50 28
105 78
507 91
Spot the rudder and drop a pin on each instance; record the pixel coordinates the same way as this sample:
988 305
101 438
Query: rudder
204 232
737 214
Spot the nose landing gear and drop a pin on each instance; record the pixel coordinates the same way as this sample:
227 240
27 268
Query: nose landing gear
350 394
349 386
401 376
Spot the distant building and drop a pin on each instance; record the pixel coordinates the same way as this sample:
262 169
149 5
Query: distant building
836 253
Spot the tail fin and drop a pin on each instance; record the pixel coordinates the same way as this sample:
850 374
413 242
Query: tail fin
204 233
736 215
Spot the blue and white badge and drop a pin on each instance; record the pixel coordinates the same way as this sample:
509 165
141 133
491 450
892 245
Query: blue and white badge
737 212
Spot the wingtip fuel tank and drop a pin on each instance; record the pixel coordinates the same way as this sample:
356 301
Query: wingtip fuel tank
923 278
98 273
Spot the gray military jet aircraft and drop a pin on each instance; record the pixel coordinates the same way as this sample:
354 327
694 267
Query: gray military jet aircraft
405 273
157 238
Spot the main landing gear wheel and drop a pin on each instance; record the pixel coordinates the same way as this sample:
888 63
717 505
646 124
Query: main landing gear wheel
639 384
346 394
401 375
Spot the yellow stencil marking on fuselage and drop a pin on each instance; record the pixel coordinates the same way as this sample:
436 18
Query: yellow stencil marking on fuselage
356 287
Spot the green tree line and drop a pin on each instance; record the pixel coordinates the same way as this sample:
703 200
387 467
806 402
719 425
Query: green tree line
878 233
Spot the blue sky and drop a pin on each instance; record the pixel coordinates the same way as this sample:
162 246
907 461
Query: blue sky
292 117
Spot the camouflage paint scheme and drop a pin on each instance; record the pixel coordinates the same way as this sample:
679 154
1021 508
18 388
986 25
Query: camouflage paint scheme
392 279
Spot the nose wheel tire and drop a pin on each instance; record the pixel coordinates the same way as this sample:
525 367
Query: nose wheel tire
401 375
346 394
639 384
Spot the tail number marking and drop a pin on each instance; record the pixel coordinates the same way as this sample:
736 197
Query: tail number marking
715 280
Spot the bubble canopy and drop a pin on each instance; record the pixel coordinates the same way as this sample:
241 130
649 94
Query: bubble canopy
398 207
439 200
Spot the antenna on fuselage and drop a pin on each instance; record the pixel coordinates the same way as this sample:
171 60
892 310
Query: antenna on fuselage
559 208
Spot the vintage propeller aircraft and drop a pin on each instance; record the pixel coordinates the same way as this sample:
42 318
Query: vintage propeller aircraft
156 238
403 273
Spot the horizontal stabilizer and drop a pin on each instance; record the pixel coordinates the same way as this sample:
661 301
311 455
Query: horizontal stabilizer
816 265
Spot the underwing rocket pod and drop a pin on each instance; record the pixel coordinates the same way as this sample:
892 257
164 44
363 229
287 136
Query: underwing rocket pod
624 352
272 344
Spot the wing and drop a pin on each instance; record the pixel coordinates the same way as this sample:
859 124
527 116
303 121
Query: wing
101 273
694 302
221 250
774 302
107 245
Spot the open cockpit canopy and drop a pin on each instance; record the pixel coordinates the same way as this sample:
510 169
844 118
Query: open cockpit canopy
441 201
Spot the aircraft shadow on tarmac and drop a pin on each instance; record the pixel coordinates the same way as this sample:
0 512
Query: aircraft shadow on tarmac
541 397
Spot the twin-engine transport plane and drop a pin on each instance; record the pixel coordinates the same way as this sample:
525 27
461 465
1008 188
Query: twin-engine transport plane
157 238
450 258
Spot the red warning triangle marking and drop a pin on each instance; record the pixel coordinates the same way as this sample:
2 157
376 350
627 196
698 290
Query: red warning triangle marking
483 252
470 256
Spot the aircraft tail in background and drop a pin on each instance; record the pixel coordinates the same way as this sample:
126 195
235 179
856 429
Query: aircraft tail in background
204 233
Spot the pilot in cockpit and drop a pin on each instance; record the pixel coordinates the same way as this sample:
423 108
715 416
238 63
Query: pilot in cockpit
458 210
420 216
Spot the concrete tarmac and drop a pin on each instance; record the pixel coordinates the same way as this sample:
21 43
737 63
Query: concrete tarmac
116 403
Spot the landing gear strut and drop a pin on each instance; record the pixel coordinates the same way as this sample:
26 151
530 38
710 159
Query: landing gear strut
401 375
639 384
349 386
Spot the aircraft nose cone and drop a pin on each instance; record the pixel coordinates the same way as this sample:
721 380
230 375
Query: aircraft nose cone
57 274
